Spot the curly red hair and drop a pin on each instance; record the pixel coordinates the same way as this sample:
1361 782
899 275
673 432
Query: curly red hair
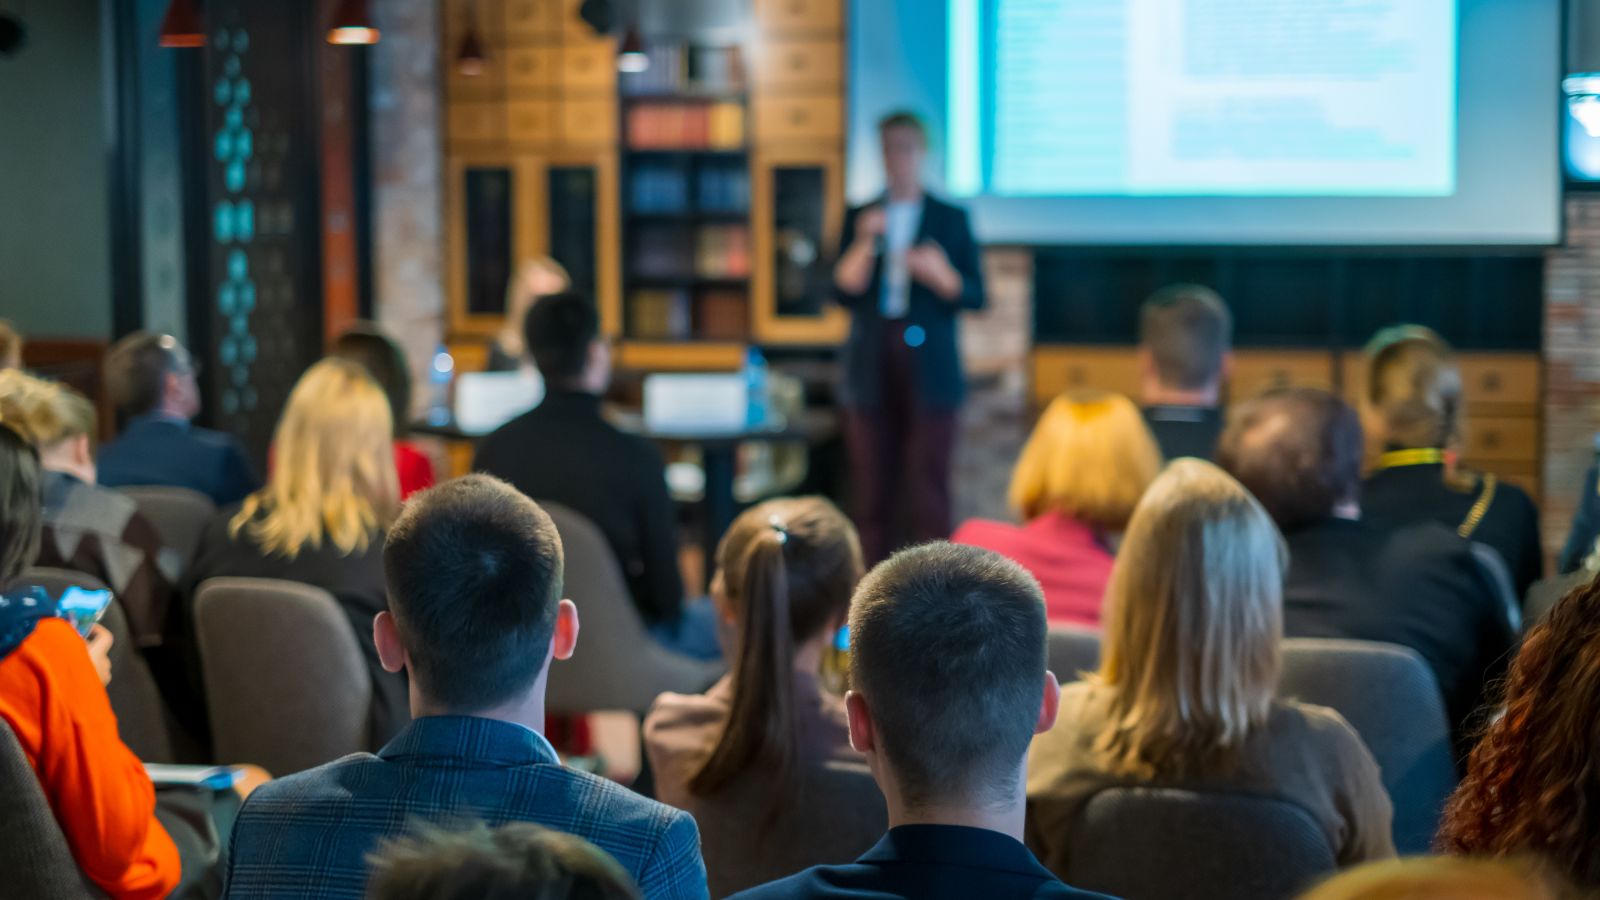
1533 782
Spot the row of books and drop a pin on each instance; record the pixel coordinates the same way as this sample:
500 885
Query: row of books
656 188
710 251
680 69
680 315
686 126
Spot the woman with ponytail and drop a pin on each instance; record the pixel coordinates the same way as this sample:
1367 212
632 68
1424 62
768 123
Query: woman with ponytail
785 573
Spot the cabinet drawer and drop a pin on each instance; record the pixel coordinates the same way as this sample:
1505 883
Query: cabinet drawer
531 121
532 18
1500 381
1059 369
814 119
589 66
1255 371
780 16
588 122
476 122
531 68
1501 439
785 65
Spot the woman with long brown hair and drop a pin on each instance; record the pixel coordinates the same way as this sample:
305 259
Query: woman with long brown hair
1532 781
785 573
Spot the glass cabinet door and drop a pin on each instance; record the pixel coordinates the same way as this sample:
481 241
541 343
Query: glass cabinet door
797 206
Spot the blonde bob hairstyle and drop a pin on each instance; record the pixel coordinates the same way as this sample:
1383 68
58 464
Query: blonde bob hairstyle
333 477
46 413
1090 457
1413 395
1194 620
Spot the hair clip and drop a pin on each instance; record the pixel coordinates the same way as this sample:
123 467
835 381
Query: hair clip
783 531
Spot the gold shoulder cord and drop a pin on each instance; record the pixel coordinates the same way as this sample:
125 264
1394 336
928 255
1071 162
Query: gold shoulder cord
1480 508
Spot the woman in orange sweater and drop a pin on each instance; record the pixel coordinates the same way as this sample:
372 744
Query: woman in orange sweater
52 695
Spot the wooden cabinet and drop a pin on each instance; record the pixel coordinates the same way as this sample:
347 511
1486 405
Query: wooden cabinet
531 19
530 69
801 16
810 65
1059 368
799 120
531 122
796 209
1255 371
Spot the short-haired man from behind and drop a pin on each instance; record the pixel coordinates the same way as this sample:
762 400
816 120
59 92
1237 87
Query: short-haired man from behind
1185 354
564 451
151 381
475 617
947 659
1299 450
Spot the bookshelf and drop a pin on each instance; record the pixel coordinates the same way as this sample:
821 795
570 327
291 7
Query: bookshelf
686 202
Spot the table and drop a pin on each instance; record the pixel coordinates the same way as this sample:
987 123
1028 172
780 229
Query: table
718 450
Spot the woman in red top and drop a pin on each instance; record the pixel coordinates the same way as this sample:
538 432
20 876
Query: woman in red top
1082 472
52 695
367 346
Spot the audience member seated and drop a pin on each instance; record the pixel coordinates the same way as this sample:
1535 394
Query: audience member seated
1443 878
11 344
1190 662
537 278
475 616
1185 355
563 451
88 528
1082 471
1532 780
1412 414
785 572
151 382
947 660
1299 451
52 695
321 517
518 860
384 359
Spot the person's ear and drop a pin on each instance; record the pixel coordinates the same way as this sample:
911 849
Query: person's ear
719 599
386 637
565 639
862 739
1049 705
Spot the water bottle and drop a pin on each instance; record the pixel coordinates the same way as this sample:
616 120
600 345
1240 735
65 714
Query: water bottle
757 397
440 375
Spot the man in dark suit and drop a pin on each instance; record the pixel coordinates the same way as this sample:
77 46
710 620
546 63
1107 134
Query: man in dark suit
563 451
475 617
1299 451
1185 352
947 661
151 381
908 266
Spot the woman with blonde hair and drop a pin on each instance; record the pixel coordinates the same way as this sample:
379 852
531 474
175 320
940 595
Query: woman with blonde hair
1082 472
537 277
1185 692
1434 877
320 519
1412 413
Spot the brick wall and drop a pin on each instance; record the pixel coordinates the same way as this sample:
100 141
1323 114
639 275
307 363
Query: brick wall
1572 363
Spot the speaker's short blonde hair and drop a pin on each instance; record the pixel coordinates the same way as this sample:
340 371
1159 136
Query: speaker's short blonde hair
1091 457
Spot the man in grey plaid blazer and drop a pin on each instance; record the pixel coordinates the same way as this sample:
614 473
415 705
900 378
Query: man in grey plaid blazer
475 618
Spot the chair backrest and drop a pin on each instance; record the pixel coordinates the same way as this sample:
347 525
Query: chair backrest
1390 697
180 516
34 854
286 684
143 721
1498 574
1073 651
1156 843
617 665
837 815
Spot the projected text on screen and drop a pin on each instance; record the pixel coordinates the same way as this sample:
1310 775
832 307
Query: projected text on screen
1202 97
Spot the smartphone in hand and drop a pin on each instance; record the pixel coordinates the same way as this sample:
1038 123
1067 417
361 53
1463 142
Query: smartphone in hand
83 608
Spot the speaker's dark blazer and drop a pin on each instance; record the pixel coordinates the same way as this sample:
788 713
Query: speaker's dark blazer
931 321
